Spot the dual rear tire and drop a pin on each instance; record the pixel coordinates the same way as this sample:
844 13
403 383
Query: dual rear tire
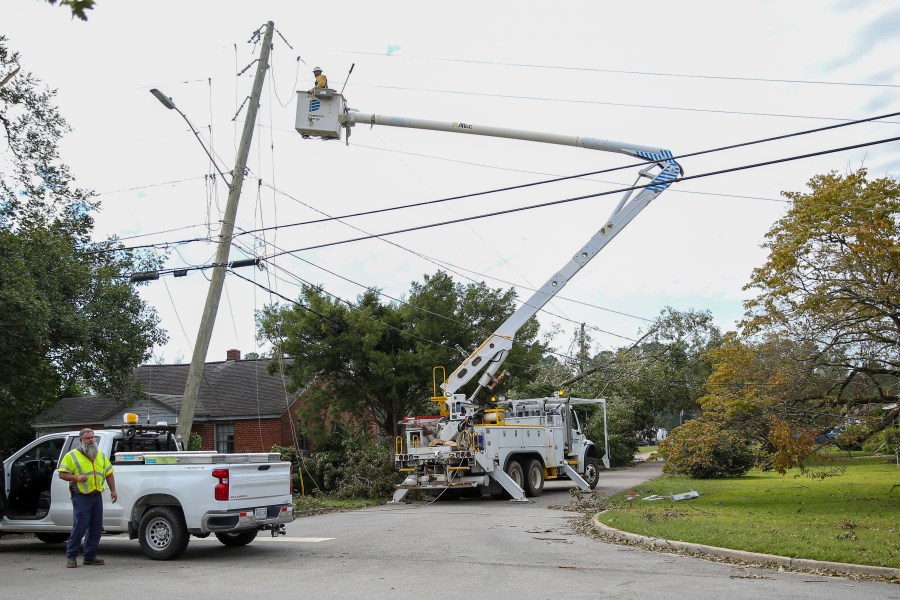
530 478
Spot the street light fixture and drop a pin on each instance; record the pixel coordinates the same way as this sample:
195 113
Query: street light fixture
170 104
166 101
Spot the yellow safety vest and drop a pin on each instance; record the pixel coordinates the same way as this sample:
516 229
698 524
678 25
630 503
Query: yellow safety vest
77 463
321 82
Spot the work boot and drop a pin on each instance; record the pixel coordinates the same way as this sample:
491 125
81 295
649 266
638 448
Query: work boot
94 561
71 563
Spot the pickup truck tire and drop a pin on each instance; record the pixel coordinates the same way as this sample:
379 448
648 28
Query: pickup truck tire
163 534
237 538
534 478
52 538
591 472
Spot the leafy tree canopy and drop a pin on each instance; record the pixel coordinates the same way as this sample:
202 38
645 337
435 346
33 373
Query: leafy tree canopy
79 7
646 384
832 283
69 321
820 339
374 360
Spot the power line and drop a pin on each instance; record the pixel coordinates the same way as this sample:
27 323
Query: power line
562 201
150 185
604 103
132 237
588 196
546 174
419 308
532 184
158 245
371 318
580 175
628 72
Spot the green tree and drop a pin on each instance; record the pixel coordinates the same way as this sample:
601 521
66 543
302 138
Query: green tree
79 8
754 405
69 321
821 337
831 284
375 359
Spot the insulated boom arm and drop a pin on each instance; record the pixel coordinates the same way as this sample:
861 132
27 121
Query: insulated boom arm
488 357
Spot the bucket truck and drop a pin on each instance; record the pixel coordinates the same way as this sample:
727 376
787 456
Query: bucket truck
511 447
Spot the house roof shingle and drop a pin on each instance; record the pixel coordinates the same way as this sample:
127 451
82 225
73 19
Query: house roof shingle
232 389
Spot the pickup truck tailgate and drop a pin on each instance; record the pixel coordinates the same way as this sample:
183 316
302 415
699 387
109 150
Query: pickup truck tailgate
259 484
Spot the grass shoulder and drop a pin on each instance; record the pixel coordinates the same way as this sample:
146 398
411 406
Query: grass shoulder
305 506
851 517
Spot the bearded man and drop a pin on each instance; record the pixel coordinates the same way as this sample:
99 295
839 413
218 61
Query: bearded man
87 470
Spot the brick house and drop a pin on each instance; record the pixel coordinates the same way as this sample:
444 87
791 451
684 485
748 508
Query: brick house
240 407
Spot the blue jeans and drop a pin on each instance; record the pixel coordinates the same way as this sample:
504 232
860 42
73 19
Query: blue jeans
88 514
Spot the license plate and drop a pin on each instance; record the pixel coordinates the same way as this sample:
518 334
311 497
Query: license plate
261 513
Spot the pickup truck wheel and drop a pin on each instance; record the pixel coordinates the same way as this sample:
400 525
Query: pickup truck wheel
237 538
163 534
52 538
534 478
591 472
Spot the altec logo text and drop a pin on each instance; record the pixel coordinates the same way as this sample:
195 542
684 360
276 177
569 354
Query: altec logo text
461 126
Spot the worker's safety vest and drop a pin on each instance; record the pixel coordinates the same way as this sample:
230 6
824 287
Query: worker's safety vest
77 463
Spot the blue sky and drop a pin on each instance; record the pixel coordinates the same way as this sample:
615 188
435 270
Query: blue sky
686 76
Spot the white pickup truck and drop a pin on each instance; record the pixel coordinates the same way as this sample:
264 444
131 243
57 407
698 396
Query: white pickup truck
165 494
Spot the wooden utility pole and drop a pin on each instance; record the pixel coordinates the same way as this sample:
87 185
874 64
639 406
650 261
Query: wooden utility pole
195 374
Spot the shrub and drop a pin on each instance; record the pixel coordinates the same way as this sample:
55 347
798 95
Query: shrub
195 441
356 467
623 442
852 438
706 450
793 448
886 440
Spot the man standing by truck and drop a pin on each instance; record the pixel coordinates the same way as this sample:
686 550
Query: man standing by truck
88 471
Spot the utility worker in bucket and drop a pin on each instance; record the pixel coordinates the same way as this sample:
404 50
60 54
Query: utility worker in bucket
88 471
321 80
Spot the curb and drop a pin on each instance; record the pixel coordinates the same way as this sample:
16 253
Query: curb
750 557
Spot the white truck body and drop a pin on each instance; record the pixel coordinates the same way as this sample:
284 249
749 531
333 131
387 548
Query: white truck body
164 496
508 450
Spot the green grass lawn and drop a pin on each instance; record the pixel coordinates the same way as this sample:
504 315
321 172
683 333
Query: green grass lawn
851 518
312 505
643 449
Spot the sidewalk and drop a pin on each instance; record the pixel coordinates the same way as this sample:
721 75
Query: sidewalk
617 481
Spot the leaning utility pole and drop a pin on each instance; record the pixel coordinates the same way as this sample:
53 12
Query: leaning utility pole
195 374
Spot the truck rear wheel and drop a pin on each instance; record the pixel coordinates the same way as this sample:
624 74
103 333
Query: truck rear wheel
163 534
237 538
515 472
591 472
534 478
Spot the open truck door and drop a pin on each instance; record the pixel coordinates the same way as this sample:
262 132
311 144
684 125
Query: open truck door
2 491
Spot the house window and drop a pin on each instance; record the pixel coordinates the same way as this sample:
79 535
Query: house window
225 437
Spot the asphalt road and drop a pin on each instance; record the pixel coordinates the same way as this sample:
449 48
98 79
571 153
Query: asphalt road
465 549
